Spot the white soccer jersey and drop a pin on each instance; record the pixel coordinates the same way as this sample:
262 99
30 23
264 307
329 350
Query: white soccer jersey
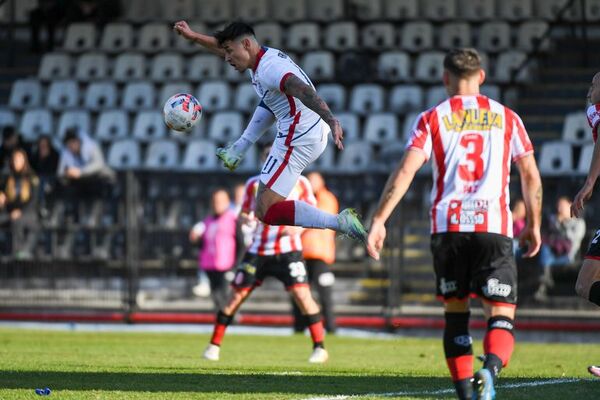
270 239
295 121
473 140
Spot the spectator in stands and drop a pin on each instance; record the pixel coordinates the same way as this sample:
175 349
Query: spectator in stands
18 201
519 213
561 242
245 227
44 161
217 252
48 14
97 11
11 141
319 253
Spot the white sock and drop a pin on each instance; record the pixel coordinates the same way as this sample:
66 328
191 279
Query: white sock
308 216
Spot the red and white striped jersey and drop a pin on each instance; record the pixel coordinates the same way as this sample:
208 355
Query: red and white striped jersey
593 117
271 239
473 140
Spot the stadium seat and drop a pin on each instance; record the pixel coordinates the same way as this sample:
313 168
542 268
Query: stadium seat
494 36
303 36
149 125
350 125
378 36
409 123
429 67
142 11
352 67
200 156
246 98
365 10
326 161
55 66
7 118
116 37
319 65
171 89
154 37
592 10
435 95
515 10
491 91
25 93
438 10
124 154
270 34
576 129
416 36
111 125
366 99
129 67
166 67
185 46
389 156
204 67
214 96
91 67
381 128
162 154
138 95
404 98
341 36
22 9
175 10
80 37
325 10
455 34
78 119
288 11
100 95
393 66
250 162
476 10
212 11
548 9
585 159
252 11
63 94
508 62
556 158
225 127
36 122
334 95
233 75
530 33
356 157
401 9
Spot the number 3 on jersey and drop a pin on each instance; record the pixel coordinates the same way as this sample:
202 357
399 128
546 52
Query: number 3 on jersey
472 169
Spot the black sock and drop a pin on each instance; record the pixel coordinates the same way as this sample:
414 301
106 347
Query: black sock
493 363
464 389
595 293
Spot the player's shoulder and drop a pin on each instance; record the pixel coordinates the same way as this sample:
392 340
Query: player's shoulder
275 56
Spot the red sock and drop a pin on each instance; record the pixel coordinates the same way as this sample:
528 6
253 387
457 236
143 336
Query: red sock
460 367
218 333
317 333
282 213
499 342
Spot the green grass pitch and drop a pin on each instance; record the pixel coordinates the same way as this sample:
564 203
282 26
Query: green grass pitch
82 365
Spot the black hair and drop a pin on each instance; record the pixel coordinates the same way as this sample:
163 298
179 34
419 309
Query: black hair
8 132
233 31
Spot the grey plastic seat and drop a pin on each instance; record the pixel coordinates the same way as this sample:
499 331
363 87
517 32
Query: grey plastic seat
166 67
138 95
492 91
200 156
576 129
476 10
289 11
438 10
401 9
404 98
36 122
350 125
129 67
334 95
529 35
270 33
592 10
149 125
142 11
585 159
55 66
366 10
429 67
515 10
303 36
341 36
455 34
494 36
213 11
252 11
175 10
233 75
381 128
416 36
111 125
78 119
366 99
80 37
548 9
162 154
435 95
393 66
205 67
556 159
100 96
507 63
25 93
154 37
91 66
246 98
214 96
62 95
7 118
116 37
378 36
185 46
325 10
319 65
409 124
356 157
171 89
226 126
124 154
326 161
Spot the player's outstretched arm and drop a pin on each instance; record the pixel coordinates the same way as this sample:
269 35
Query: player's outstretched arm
206 41
297 88
395 188
531 188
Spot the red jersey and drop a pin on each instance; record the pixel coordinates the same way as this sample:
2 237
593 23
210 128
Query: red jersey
473 140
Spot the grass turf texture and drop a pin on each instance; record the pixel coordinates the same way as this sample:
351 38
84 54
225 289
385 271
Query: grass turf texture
82 365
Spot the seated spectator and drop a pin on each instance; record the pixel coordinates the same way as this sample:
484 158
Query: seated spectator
48 14
18 201
44 161
11 140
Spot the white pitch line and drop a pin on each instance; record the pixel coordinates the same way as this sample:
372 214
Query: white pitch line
445 391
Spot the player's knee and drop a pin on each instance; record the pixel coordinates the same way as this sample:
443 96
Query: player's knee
301 293
582 288
456 306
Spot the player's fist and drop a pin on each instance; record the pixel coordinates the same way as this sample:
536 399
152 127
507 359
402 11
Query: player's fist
182 28
376 238
229 158
337 133
582 197
531 237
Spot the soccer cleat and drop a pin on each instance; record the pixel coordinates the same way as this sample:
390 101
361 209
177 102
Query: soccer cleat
594 370
483 385
351 226
318 356
212 352
231 159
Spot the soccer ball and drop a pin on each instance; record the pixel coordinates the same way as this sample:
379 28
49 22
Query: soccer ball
182 111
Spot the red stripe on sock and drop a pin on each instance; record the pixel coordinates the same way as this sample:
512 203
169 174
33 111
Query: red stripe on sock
499 342
218 333
282 213
460 367
316 332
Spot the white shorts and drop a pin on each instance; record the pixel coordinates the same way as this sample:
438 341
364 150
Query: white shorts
285 164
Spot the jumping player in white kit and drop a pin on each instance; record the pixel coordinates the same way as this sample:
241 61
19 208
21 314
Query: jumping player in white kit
304 122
